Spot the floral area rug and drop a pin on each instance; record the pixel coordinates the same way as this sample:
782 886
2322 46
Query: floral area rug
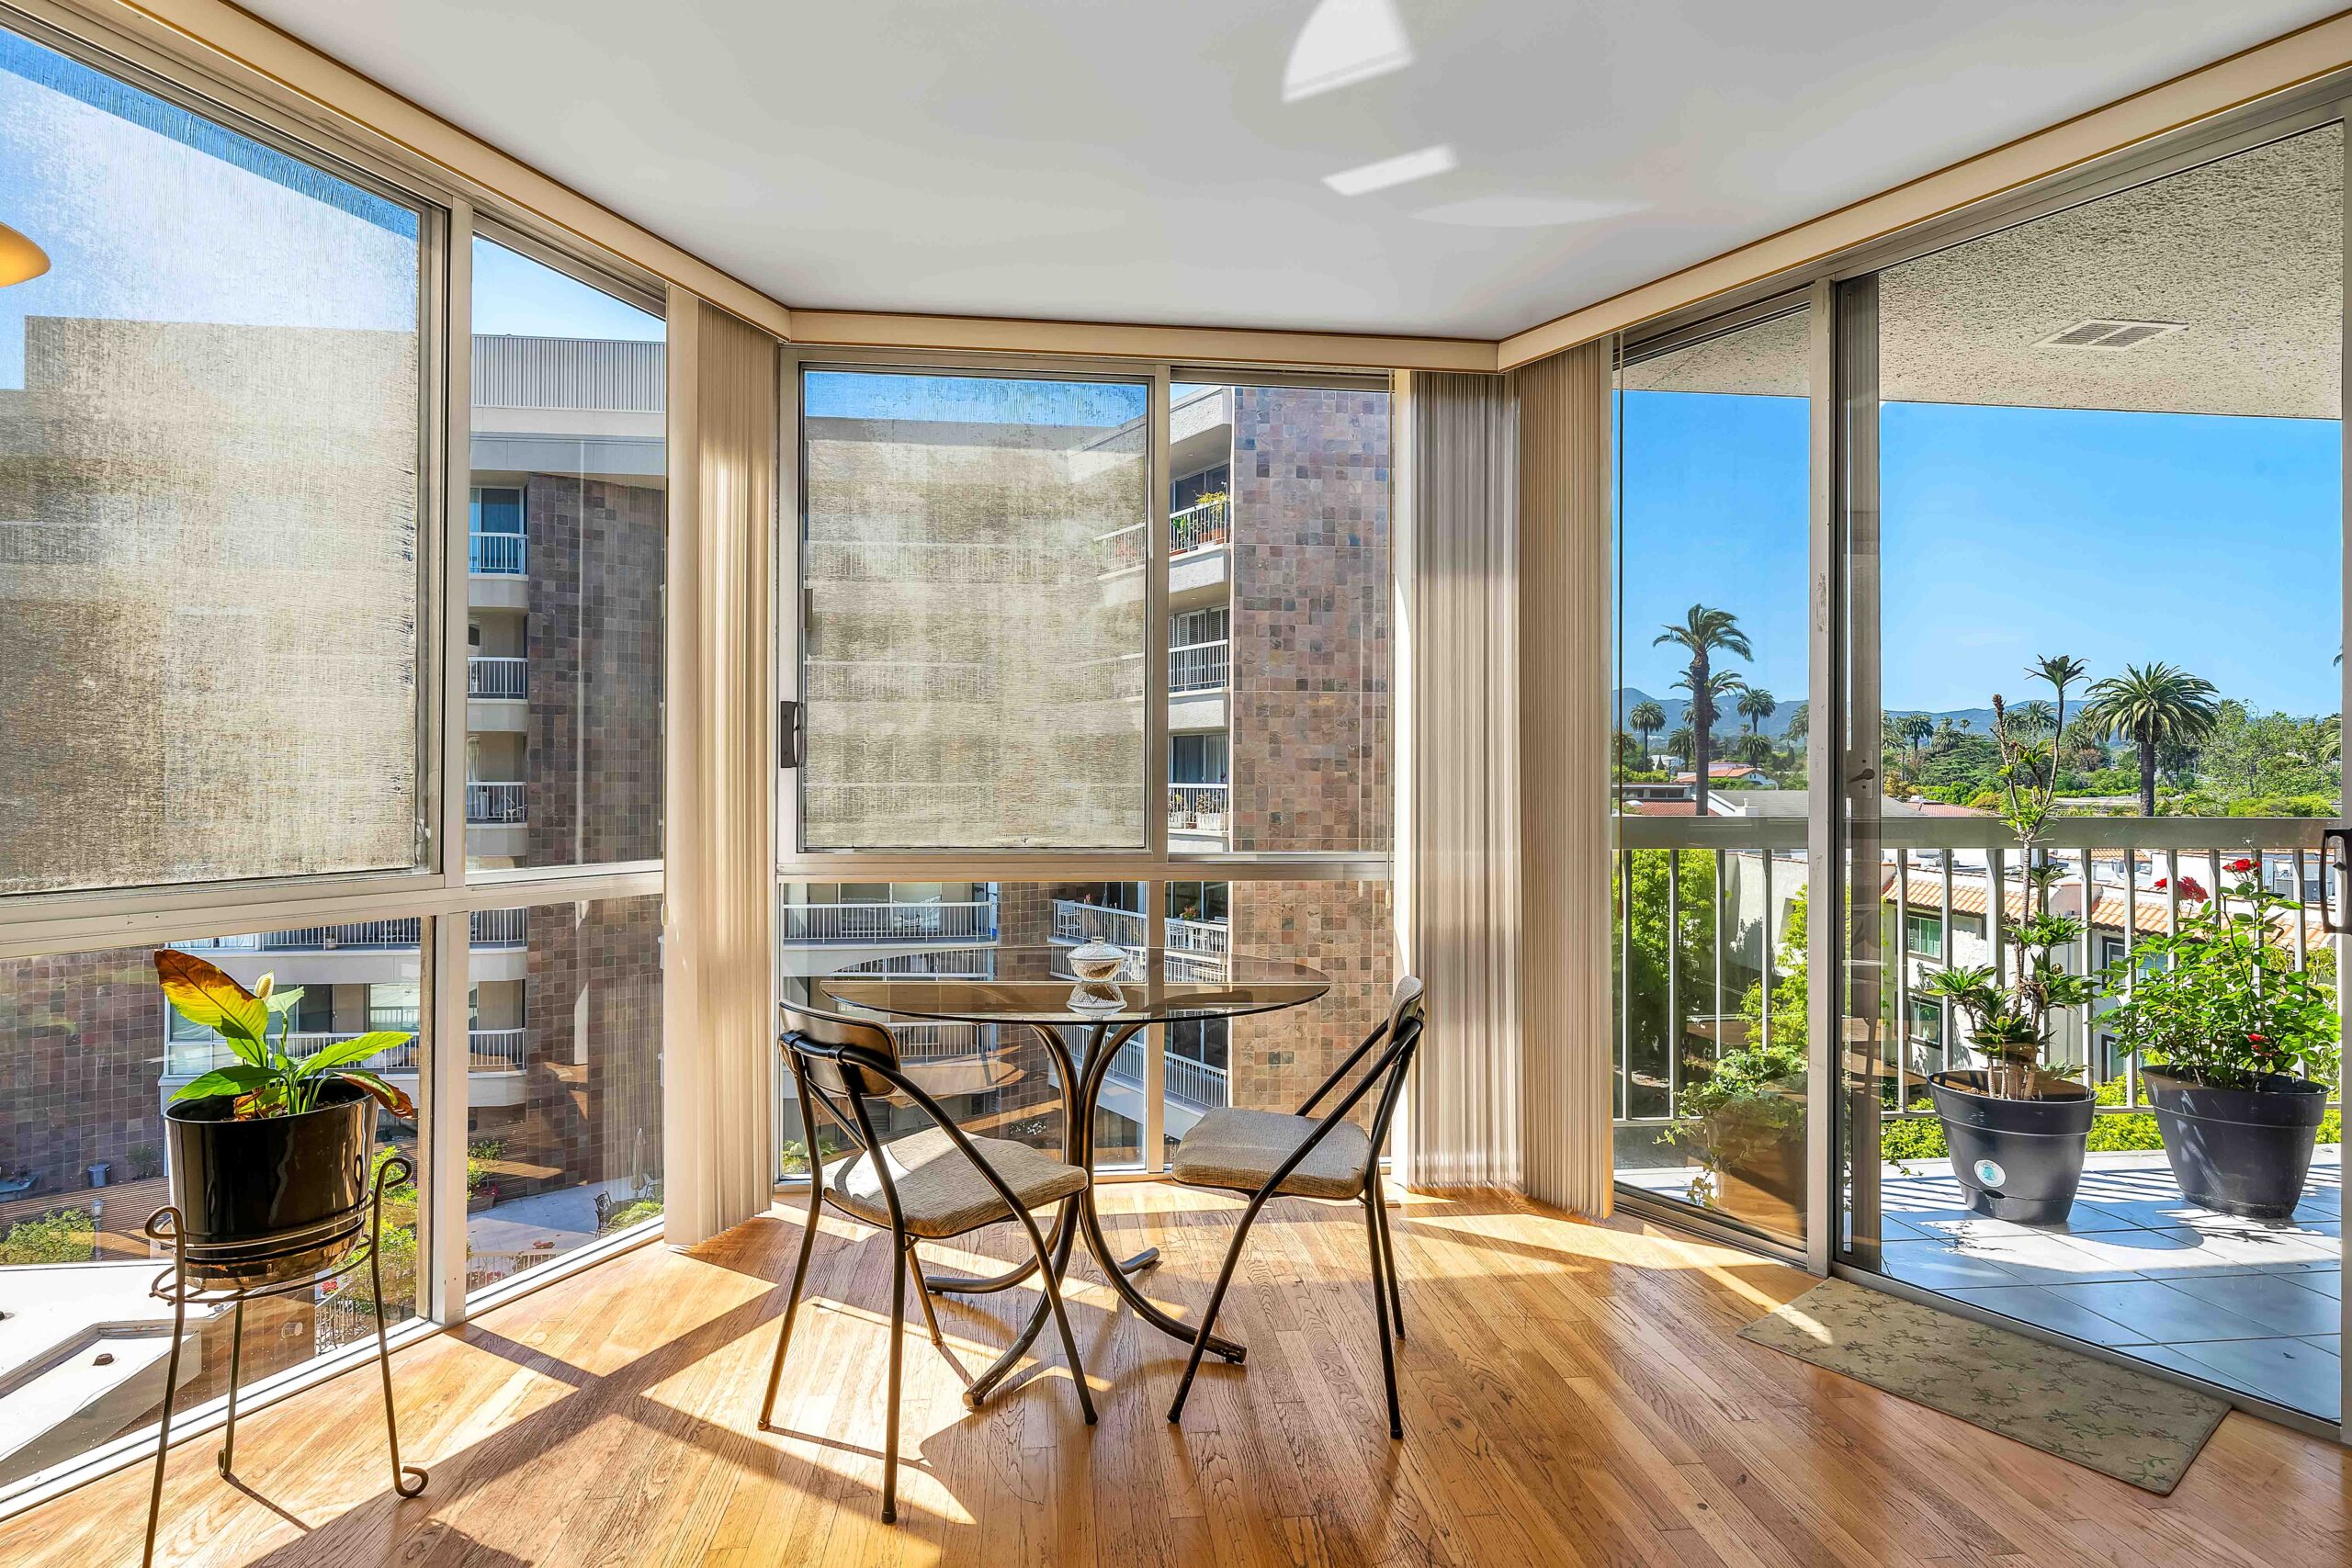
2125 1424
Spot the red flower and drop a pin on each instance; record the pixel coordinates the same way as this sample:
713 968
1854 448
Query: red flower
2254 1039
2158 884
2240 865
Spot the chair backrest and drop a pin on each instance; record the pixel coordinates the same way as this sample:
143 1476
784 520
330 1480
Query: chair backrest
824 1072
1407 1016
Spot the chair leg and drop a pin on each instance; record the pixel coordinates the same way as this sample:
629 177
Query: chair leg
1380 1312
898 1349
1217 1300
792 1294
1388 1252
923 1294
1061 1319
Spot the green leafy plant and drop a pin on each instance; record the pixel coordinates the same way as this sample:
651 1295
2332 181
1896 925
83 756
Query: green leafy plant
267 1078
2220 1002
69 1236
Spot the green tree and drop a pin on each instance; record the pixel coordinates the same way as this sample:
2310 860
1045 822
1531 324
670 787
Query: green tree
1703 633
1664 963
1679 743
1645 720
1800 725
2152 705
1756 705
1915 728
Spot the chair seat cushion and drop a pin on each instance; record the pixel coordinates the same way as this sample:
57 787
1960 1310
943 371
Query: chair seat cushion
939 1193
1239 1149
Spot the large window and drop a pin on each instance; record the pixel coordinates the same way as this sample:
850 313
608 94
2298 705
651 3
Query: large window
565 551
209 491
971 580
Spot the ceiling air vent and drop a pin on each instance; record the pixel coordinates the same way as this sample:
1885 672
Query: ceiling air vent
2112 336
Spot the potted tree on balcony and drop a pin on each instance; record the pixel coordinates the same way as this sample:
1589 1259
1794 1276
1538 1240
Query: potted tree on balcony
2016 1130
1742 1114
2239 1048
268 1154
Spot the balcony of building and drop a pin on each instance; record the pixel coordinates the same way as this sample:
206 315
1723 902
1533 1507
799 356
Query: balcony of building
1196 815
497 693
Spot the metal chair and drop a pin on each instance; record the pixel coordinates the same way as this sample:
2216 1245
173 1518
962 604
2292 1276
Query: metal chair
928 1186
1267 1153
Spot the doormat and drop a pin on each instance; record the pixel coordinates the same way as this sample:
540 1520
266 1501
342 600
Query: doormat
2122 1423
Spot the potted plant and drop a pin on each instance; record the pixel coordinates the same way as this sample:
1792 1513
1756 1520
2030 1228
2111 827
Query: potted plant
1744 1122
2239 1048
2017 1132
269 1156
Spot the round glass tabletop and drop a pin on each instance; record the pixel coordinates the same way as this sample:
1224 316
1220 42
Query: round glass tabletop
1037 985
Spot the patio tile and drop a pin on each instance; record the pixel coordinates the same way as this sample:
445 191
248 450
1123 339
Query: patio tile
2042 1259
2273 1300
2205 1220
2288 1371
2047 1309
1938 1266
1961 1225
2167 1357
2220 1250
2154 1313
2326 1281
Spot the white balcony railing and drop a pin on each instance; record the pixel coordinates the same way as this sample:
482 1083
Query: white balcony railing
494 555
1197 667
1198 807
1192 1084
496 676
490 1050
490 929
495 803
1201 527
968 921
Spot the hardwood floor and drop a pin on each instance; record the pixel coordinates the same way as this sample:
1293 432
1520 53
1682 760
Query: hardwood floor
1573 1395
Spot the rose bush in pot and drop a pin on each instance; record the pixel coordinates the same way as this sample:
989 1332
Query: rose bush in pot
2238 1047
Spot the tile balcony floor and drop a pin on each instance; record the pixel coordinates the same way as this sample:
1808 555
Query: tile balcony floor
2250 1304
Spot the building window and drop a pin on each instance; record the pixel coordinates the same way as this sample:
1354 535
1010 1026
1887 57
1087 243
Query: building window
1924 935
209 495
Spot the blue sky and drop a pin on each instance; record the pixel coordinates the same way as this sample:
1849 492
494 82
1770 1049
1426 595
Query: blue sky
516 297
991 400
2213 543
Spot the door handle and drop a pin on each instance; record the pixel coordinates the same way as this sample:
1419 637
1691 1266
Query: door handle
2330 842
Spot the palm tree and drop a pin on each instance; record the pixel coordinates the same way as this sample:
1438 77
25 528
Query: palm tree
1645 720
1915 728
1679 743
1800 724
1755 704
2154 704
1703 633
1722 687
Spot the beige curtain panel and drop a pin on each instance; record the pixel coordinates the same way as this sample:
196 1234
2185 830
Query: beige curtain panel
718 1015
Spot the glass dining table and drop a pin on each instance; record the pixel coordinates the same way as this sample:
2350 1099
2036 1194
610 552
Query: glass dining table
1036 989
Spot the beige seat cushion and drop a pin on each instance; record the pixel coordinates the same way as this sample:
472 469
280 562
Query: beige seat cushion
939 1193
1239 1149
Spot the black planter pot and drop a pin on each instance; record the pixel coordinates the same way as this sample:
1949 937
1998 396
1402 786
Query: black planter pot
270 1200
2240 1151
2017 1159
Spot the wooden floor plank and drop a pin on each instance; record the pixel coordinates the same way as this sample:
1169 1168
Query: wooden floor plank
1574 1393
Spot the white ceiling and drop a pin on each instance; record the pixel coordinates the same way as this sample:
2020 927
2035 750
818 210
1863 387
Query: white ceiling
1091 160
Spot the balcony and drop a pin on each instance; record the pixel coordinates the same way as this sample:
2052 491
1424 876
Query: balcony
1076 923
1198 808
497 678
1202 528
495 555
491 1051
490 929
1197 667
495 805
972 920
1706 911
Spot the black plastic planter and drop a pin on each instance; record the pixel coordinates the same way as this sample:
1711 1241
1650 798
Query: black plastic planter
2240 1151
271 1199
2017 1159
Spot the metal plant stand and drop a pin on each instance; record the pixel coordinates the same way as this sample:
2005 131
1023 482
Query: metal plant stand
174 1285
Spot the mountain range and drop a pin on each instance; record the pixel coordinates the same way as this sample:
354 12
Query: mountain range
1977 721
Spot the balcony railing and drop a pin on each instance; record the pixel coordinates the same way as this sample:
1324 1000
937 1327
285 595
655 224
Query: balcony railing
1725 890
490 1050
1074 921
497 676
1198 807
495 805
1201 527
494 555
971 921
1196 667
1194 1085
490 929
